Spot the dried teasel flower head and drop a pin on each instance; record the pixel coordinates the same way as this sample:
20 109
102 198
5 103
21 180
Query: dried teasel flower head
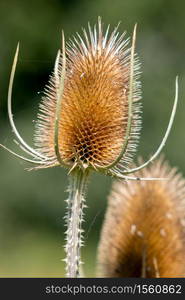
144 230
90 114
94 109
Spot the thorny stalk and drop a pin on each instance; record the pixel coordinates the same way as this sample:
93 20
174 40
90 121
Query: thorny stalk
74 218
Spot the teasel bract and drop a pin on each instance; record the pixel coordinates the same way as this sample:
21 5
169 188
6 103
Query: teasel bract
143 233
89 119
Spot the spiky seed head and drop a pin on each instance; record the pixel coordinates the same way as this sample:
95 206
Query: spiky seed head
144 230
94 115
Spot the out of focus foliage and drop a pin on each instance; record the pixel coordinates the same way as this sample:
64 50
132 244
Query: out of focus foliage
32 203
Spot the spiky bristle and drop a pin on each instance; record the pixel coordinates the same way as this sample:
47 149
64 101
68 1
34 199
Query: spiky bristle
94 109
144 230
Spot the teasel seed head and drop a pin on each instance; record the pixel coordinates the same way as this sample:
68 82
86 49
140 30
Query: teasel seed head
144 230
90 115
94 108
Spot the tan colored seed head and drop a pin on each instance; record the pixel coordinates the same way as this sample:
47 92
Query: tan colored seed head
95 102
144 230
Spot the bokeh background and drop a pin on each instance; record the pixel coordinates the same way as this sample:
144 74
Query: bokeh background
32 203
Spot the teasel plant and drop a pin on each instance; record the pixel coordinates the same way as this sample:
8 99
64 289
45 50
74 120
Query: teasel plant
143 234
89 119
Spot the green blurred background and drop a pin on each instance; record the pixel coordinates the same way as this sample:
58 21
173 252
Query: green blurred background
32 203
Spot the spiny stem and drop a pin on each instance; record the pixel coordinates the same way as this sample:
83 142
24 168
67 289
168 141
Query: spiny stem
77 187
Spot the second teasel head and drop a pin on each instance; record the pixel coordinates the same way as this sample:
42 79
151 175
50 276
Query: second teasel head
143 233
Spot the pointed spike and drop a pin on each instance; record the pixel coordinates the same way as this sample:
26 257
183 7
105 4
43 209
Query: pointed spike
56 66
155 155
120 176
32 152
60 91
22 157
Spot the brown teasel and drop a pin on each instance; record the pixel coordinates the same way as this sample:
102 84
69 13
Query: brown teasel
90 114
94 107
89 119
144 230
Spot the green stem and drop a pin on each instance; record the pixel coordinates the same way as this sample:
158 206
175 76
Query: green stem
77 187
